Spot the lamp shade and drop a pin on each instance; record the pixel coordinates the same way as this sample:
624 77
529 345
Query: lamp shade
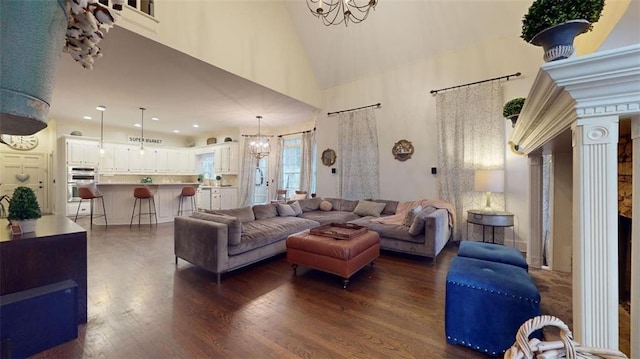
489 181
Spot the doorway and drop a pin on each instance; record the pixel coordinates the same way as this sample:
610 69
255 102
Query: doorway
28 170
261 191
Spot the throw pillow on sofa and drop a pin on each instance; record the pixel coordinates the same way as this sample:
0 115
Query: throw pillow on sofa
296 208
234 228
366 208
285 210
417 227
408 218
325 206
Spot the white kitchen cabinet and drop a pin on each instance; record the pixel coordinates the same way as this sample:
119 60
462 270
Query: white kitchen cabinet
203 197
136 160
216 199
226 158
82 153
185 160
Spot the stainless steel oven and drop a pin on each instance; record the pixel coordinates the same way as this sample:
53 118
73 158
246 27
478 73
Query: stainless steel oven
79 176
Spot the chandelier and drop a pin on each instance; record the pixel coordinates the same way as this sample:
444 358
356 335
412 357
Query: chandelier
335 12
259 145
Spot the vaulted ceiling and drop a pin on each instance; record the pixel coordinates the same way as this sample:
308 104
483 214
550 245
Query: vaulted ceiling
182 91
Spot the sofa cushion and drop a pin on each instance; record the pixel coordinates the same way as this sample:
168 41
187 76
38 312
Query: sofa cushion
310 204
330 217
260 233
338 204
265 211
417 227
244 214
408 218
367 208
325 206
285 210
392 231
234 229
390 206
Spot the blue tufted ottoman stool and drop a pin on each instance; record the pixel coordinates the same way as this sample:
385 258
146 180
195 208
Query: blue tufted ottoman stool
486 303
492 252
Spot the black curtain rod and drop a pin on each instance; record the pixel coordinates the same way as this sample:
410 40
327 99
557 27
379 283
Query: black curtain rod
256 135
435 92
295 133
353 109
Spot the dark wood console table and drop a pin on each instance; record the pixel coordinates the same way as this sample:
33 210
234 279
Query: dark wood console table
55 252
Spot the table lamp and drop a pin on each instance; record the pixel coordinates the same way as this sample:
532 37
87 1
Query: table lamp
489 181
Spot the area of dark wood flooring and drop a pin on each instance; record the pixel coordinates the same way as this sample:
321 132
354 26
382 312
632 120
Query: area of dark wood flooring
141 305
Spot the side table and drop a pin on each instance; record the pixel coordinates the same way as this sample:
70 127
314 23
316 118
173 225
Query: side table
491 219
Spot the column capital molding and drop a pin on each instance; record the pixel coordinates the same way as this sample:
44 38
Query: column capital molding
597 85
595 131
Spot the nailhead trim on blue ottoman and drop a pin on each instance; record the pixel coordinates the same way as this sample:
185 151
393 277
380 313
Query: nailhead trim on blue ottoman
493 253
486 303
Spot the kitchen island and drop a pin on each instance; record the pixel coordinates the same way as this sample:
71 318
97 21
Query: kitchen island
118 201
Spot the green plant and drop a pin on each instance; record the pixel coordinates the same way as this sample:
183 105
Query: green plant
200 177
218 178
546 13
513 107
24 205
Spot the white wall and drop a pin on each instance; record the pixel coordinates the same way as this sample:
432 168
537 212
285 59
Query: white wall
252 39
409 112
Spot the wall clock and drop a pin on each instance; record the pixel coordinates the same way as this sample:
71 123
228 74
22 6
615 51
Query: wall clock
22 143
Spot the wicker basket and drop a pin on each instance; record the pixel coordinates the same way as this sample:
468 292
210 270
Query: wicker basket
524 348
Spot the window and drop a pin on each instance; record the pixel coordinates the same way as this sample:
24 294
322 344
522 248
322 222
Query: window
291 163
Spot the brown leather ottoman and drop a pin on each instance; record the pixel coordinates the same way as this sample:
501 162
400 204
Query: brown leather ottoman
340 257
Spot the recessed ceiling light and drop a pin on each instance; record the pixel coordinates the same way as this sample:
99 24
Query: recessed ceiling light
154 118
176 131
137 125
87 117
196 125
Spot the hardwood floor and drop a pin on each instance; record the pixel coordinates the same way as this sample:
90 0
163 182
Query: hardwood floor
142 306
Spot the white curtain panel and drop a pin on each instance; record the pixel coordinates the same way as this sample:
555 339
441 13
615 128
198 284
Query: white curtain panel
275 159
306 168
471 133
248 175
358 155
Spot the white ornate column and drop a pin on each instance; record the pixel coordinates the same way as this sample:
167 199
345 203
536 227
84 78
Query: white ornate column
635 241
534 246
595 231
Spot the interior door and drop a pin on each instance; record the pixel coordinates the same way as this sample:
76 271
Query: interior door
28 170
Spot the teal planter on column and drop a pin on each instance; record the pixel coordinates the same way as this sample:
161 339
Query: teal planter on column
32 36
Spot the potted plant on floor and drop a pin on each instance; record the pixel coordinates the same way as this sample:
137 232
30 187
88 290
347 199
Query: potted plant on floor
24 209
511 110
554 24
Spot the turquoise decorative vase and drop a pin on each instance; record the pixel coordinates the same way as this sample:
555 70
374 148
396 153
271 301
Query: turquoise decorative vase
557 41
32 34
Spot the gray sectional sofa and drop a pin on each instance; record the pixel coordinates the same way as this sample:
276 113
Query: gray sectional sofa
223 240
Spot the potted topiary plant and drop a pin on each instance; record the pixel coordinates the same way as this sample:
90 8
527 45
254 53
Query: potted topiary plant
24 209
218 179
511 109
554 24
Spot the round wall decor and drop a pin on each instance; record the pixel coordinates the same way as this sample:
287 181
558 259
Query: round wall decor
402 150
328 157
